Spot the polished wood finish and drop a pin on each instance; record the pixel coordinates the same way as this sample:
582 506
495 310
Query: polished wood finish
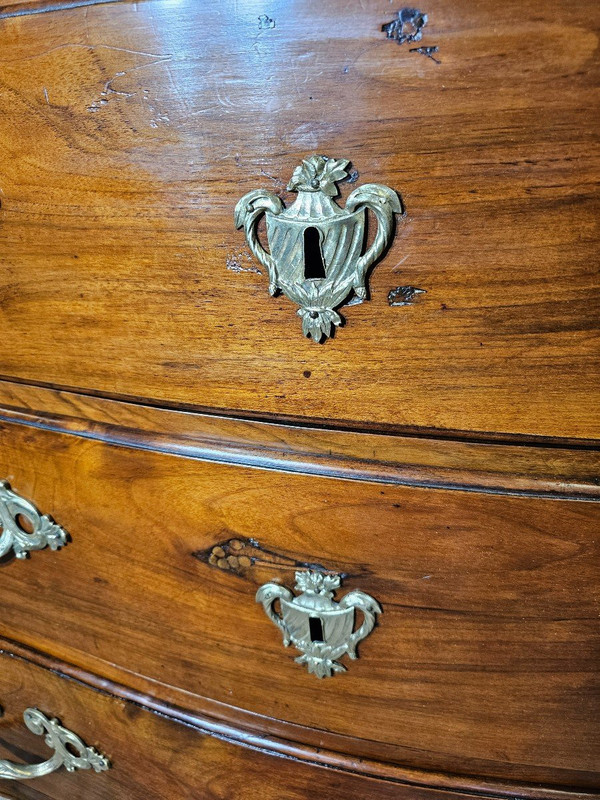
269 741
155 759
23 8
480 665
548 470
443 455
129 131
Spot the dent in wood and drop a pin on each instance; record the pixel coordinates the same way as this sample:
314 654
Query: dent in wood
265 22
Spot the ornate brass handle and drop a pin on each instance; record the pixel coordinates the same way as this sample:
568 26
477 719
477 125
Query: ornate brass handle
44 531
69 751
315 624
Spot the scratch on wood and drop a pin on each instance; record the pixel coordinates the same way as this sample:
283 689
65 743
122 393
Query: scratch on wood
157 118
46 95
235 263
107 92
277 181
93 47
426 51
27 8
399 264
404 295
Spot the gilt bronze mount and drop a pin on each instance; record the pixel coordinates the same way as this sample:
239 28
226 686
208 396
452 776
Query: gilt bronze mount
70 751
322 629
316 247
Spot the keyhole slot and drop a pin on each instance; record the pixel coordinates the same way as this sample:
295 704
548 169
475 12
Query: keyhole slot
316 629
314 268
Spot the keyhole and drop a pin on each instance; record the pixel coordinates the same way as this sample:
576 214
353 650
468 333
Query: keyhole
313 258
316 629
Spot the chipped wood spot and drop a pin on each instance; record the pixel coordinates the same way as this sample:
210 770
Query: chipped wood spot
265 22
427 51
408 28
404 295
241 262
239 555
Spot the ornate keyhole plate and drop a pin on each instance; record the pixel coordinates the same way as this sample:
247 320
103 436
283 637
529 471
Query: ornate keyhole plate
321 629
316 246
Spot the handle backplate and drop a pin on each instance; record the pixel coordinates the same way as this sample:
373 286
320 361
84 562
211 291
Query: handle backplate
41 529
69 751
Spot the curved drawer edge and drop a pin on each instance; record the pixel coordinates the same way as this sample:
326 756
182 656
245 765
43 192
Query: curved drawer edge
278 746
28 7
534 470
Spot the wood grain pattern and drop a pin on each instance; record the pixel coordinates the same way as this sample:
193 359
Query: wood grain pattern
268 743
485 661
23 8
129 131
155 759
543 471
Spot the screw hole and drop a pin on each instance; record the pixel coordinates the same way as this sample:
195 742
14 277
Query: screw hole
24 523
72 750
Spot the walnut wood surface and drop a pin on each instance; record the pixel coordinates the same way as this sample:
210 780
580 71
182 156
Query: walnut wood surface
156 759
546 470
485 661
129 131
268 741
20 8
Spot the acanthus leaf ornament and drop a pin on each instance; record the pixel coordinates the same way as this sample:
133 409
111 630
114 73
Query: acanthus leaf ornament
316 226
44 531
321 629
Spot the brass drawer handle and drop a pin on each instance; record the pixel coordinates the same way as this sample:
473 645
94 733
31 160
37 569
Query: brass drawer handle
315 624
70 752
13 536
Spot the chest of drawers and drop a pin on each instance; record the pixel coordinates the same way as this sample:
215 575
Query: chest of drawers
412 500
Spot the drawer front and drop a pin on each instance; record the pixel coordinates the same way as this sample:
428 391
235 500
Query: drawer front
152 758
130 133
484 658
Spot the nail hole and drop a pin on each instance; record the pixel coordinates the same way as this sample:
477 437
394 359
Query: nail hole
72 750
